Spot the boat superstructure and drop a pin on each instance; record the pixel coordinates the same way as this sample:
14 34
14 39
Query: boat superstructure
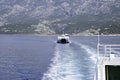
108 62
64 38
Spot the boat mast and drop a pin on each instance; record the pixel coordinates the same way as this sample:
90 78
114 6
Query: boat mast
98 44
63 32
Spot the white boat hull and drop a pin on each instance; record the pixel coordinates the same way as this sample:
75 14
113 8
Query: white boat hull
63 39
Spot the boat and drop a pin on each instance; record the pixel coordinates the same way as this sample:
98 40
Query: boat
63 39
108 62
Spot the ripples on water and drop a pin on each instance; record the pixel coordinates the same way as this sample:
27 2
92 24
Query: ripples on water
40 58
24 57
73 61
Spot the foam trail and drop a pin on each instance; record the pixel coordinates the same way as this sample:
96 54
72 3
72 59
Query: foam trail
93 57
91 51
71 64
88 58
63 66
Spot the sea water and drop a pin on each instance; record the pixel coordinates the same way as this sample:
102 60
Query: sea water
25 57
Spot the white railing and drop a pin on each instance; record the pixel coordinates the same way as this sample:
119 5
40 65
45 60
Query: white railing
106 50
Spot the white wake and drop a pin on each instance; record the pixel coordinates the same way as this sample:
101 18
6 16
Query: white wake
65 66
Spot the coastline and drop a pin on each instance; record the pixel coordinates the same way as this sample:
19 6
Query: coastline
79 34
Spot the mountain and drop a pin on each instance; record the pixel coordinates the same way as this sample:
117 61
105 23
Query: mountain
51 16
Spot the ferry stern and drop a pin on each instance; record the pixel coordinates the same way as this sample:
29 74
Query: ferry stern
63 39
108 62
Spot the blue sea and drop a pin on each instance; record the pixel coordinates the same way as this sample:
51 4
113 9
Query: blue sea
27 57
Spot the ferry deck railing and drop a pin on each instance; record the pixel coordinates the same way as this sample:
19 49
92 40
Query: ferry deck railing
106 51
